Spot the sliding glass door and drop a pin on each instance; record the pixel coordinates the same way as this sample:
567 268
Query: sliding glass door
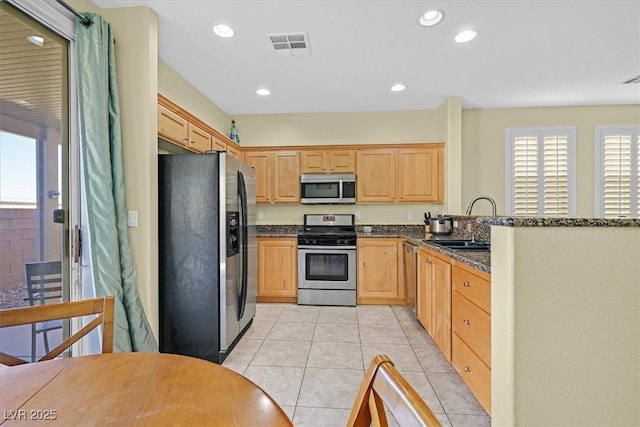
34 174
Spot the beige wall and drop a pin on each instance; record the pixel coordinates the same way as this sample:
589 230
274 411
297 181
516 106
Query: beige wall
565 326
379 127
174 87
135 32
450 132
483 147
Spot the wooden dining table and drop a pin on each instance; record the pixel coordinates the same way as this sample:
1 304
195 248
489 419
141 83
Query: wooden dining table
133 389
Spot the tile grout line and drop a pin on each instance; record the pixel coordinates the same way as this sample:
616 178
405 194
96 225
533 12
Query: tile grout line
426 374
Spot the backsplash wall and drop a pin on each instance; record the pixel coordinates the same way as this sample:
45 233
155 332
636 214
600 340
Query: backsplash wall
369 213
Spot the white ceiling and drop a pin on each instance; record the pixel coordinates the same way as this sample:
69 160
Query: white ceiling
527 53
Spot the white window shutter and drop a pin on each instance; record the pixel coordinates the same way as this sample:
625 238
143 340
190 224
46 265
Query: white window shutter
637 174
617 176
618 168
525 176
556 176
540 172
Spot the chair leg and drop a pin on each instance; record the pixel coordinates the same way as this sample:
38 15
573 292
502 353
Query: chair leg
33 343
46 342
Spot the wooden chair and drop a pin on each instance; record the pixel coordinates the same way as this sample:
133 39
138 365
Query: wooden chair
383 386
44 285
102 307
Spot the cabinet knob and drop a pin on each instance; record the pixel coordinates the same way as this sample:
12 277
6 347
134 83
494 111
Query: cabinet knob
466 369
466 321
193 142
465 284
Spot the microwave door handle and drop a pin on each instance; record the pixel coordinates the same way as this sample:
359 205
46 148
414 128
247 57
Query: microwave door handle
340 189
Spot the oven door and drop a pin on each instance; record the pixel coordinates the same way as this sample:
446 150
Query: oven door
326 267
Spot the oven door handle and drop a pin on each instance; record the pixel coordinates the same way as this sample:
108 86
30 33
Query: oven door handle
317 249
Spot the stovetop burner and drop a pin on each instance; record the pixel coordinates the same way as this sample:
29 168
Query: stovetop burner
347 230
328 230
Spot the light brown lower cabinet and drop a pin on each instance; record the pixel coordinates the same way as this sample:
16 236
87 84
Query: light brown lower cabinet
277 269
471 324
380 278
434 298
473 372
454 306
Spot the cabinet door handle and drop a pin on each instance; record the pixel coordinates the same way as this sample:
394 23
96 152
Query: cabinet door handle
466 369
465 284
466 321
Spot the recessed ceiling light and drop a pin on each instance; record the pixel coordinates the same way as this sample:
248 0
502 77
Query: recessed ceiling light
37 40
431 18
263 92
398 87
224 31
466 36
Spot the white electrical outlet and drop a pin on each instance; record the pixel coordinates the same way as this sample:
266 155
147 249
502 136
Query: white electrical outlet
410 216
260 215
357 215
455 224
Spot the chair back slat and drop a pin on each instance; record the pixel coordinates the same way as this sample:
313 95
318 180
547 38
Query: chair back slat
44 281
102 307
384 387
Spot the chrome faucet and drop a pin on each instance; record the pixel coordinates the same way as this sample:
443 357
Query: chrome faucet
493 204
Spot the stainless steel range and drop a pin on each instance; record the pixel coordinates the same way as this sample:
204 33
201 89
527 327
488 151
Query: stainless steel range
327 260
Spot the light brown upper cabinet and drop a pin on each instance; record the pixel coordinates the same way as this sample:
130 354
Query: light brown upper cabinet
277 175
286 177
218 144
376 177
172 127
421 174
179 127
262 161
179 130
199 139
330 161
405 174
233 152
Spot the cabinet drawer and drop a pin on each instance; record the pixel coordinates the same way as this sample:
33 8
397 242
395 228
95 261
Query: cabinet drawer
475 373
475 288
473 325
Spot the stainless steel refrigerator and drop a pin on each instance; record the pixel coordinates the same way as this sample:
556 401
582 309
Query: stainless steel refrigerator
207 253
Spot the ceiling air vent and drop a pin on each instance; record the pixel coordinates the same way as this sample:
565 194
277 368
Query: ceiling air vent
635 79
291 44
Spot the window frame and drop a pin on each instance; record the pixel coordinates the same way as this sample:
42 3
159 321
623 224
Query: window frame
600 132
540 132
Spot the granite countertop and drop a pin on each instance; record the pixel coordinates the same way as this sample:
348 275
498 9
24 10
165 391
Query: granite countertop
557 222
475 259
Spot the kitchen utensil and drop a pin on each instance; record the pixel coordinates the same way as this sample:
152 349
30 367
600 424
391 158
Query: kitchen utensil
441 225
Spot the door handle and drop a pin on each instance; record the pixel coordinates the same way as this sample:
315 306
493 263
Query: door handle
59 216
77 243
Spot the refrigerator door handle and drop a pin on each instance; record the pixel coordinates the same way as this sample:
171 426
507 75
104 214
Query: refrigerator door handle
244 242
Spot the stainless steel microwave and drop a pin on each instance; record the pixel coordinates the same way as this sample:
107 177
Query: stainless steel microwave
321 188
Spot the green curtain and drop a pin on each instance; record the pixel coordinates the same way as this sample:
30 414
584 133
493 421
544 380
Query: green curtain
104 186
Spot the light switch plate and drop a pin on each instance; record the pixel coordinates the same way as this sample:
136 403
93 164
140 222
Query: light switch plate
260 215
132 218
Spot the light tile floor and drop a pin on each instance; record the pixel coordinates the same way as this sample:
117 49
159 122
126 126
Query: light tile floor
311 360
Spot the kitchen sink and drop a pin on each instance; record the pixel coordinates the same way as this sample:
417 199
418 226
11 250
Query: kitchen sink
461 245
